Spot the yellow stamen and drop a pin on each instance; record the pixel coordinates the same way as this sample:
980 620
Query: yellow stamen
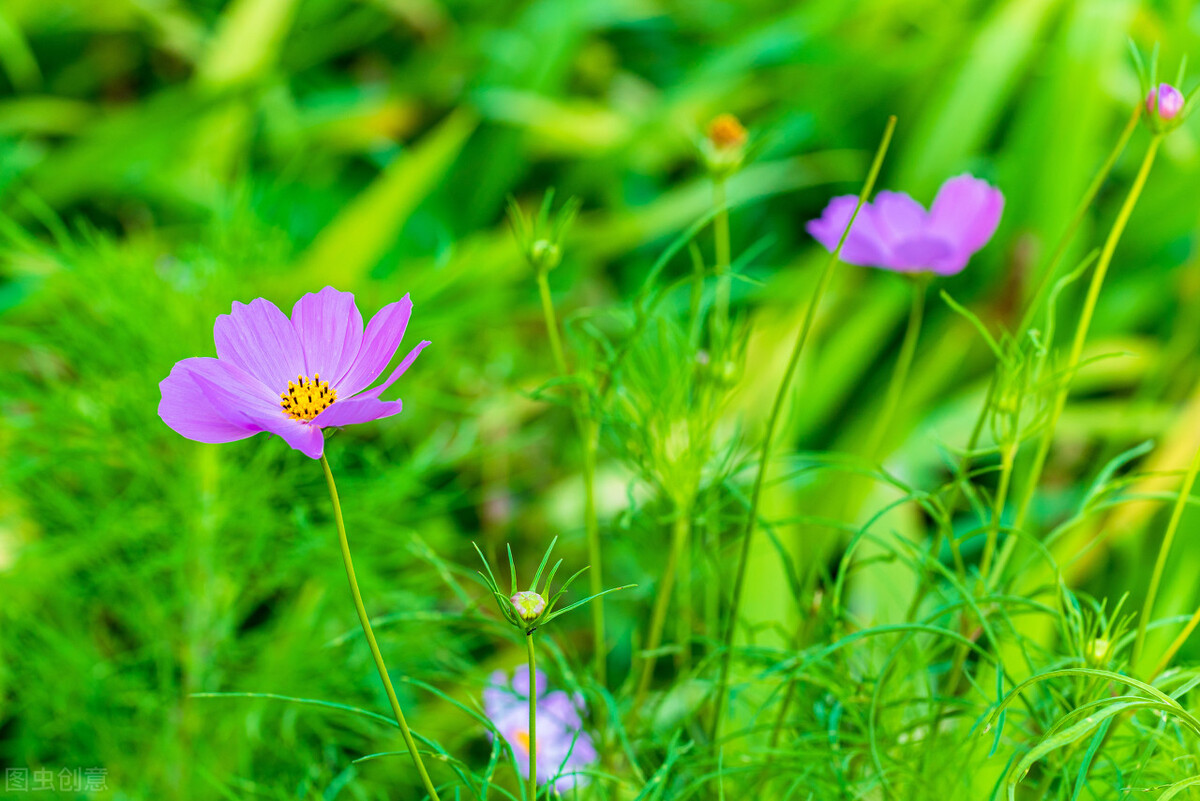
522 739
307 397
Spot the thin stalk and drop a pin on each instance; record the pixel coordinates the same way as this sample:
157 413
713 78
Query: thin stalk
1185 492
1081 332
1060 250
589 438
1007 457
764 456
556 347
370 635
680 529
684 621
532 783
908 348
592 531
722 249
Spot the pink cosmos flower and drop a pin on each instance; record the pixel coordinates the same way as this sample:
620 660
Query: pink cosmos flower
564 749
1166 100
289 377
895 232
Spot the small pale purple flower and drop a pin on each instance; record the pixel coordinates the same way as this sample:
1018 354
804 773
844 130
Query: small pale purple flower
563 747
1166 101
895 232
289 377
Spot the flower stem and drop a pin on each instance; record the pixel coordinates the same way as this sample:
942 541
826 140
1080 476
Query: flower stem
589 438
1185 492
532 784
680 530
722 250
370 635
908 348
764 457
1081 332
1085 203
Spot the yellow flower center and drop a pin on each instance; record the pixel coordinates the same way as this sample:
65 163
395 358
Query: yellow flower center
307 397
522 737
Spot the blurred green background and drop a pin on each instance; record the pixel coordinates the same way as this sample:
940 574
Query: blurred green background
160 159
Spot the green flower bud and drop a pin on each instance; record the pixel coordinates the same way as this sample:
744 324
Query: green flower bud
529 605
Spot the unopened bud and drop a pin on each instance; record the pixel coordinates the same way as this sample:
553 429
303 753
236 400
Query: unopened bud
528 605
724 145
1099 652
726 131
1166 101
545 255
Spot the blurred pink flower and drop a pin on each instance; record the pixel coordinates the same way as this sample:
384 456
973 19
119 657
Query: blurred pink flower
1166 100
564 749
895 232
289 377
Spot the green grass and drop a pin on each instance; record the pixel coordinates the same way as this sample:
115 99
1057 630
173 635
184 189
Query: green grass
161 160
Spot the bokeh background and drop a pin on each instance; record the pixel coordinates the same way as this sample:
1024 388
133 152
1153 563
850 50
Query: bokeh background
160 159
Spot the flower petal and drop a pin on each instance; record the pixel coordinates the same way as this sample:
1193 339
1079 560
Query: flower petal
375 392
262 415
384 333
966 211
897 216
865 246
356 410
259 339
928 254
185 408
330 329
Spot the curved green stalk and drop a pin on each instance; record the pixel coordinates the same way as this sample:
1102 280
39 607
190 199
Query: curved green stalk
908 348
1185 492
768 441
680 531
370 635
1081 332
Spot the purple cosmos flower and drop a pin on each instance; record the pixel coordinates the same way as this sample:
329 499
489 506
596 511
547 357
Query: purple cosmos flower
563 747
1166 100
895 232
289 377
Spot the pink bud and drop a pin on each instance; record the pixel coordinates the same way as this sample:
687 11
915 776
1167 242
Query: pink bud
1166 100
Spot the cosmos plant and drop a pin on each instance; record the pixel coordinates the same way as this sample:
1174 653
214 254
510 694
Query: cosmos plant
295 378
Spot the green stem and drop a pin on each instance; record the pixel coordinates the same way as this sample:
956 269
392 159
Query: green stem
1085 203
556 347
1007 457
595 574
908 348
764 456
680 529
722 248
589 437
1185 492
532 784
370 635
684 622
1081 332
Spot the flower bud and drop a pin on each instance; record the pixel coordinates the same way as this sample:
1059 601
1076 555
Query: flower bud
1166 101
726 132
1099 654
528 605
724 145
545 255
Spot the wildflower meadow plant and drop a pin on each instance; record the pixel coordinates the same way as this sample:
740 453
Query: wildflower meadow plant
249 388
